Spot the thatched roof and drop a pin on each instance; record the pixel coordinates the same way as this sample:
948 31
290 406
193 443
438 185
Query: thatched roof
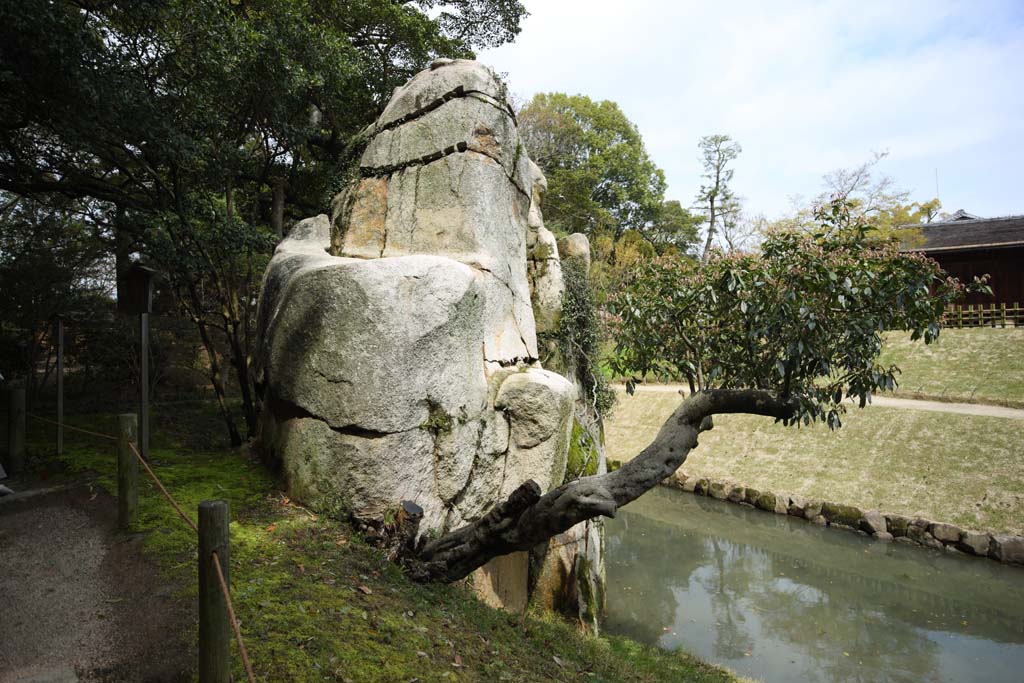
962 234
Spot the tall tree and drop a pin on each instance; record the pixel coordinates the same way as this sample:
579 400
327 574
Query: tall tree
715 199
201 121
601 180
674 226
53 260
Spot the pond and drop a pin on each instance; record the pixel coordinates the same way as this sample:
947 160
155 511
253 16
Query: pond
781 600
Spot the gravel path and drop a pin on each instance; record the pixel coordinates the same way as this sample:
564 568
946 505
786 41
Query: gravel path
78 601
893 402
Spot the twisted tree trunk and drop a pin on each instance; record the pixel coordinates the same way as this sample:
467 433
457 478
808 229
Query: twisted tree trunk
528 518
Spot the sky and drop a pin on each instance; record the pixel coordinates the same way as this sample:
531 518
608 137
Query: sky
804 87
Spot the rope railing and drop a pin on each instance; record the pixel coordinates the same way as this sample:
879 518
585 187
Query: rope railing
72 427
168 496
221 580
231 613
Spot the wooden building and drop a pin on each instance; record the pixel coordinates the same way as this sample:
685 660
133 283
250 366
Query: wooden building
967 246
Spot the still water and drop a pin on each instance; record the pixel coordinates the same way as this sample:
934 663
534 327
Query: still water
781 600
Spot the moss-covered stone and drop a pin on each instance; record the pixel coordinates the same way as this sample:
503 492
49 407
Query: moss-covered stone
583 454
438 421
765 501
847 515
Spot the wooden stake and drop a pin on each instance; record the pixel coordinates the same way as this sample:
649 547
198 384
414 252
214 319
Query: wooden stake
214 623
127 470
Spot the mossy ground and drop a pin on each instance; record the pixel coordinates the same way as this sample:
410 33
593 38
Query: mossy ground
317 604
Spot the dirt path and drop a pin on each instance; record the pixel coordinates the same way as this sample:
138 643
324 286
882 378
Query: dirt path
78 601
893 402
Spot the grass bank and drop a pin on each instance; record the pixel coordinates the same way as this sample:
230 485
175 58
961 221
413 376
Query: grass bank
981 364
317 604
967 470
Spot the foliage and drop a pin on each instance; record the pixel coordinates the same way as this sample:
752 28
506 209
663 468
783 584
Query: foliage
803 319
189 124
715 199
579 337
52 262
675 227
600 178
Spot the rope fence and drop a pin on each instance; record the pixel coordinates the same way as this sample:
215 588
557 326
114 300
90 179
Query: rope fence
214 557
72 428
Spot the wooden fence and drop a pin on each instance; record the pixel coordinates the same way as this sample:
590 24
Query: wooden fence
993 315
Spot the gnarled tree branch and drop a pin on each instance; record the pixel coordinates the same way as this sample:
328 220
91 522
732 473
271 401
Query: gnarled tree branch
528 518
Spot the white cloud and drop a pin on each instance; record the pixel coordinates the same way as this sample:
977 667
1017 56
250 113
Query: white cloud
805 87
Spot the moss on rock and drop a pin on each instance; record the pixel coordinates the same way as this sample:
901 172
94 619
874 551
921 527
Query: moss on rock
765 501
583 454
847 515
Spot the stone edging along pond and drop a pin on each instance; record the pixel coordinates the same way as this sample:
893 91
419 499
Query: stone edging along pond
884 526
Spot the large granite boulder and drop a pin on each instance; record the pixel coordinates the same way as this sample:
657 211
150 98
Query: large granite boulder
398 356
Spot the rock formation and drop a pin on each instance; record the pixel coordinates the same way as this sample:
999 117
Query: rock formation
398 356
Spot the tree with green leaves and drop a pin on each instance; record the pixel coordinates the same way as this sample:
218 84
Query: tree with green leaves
601 181
674 227
205 125
715 199
53 260
791 333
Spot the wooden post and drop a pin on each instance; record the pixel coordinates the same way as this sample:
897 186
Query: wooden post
144 385
127 470
1002 314
214 625
959 316
15 430
59 330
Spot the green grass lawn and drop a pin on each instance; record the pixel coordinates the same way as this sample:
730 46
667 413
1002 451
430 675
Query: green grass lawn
966 470
981 364
317 604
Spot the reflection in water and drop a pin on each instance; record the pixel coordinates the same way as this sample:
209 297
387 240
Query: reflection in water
782 600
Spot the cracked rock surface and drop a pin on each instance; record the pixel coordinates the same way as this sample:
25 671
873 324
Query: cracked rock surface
398 353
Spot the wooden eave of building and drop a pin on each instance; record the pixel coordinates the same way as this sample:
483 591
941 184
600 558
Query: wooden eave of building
971 235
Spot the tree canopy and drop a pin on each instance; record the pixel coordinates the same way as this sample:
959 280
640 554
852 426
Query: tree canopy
195 129
804 318
601 180
674 227
715 198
